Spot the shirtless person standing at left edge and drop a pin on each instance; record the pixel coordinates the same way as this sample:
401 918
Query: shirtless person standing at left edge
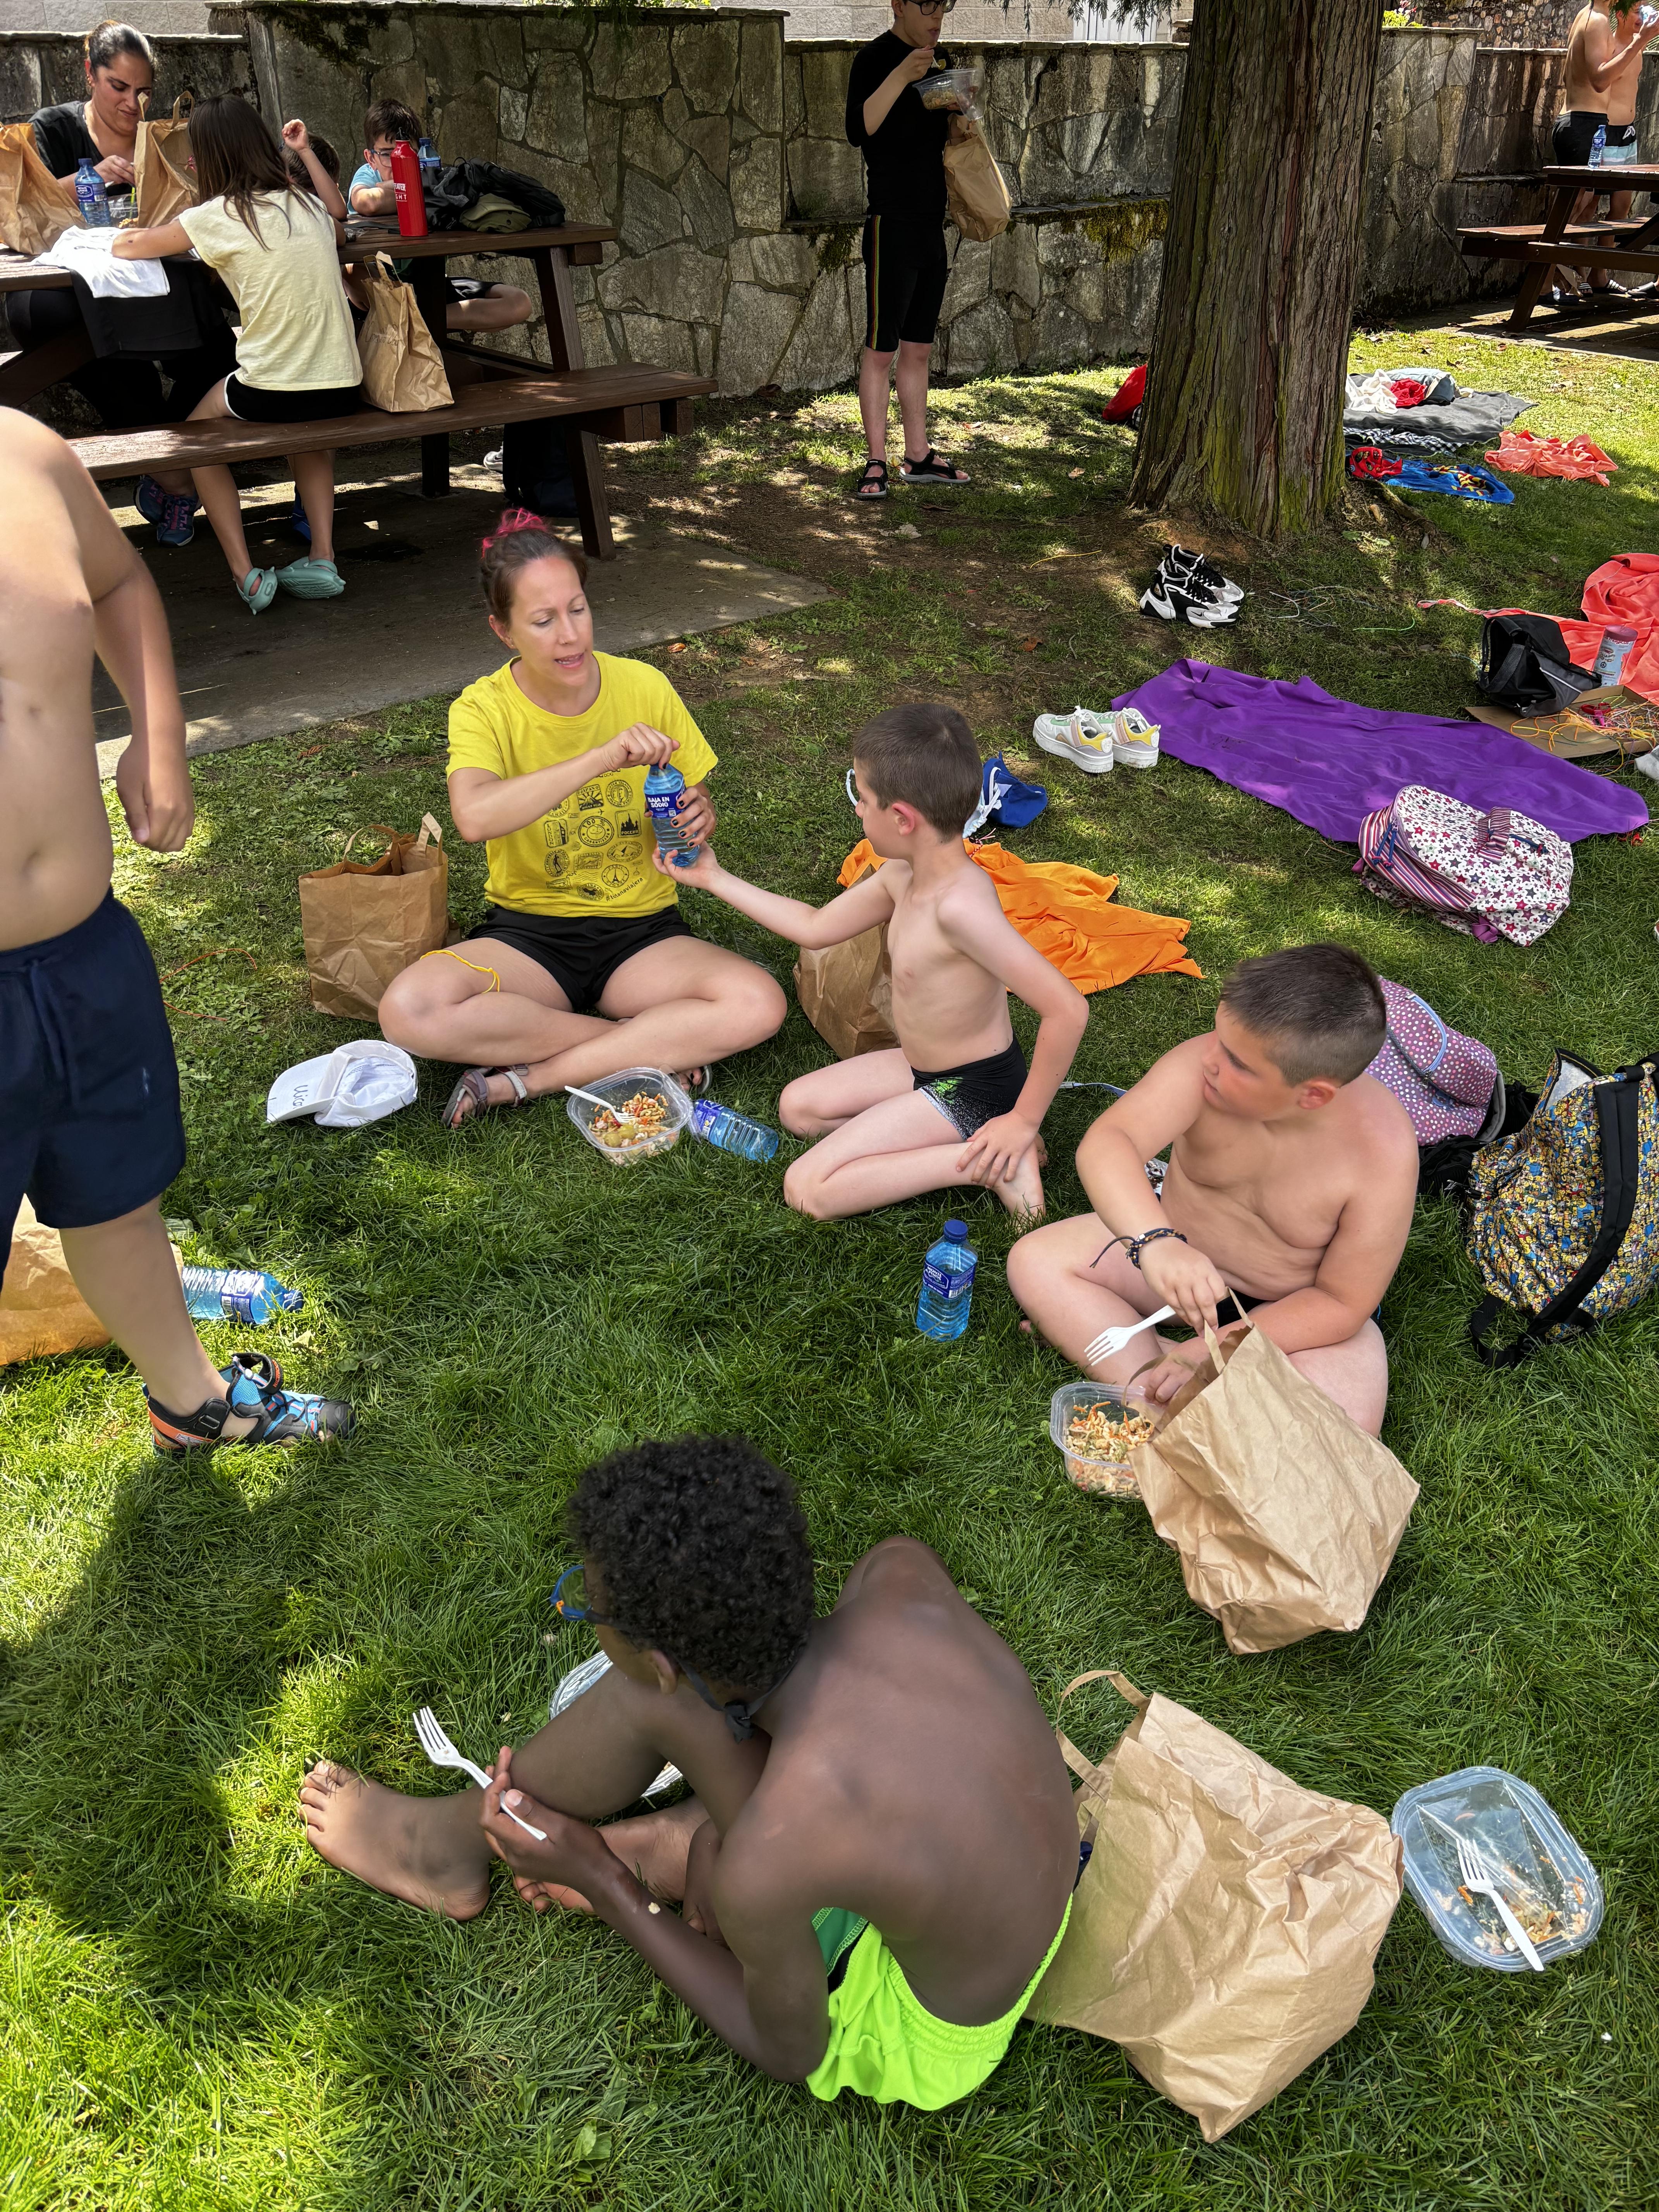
89 1124
1293 1176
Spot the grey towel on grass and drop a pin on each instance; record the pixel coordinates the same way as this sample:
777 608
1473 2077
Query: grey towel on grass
1470 419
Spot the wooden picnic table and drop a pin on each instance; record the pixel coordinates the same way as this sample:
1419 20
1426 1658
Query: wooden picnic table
1601 242
630 410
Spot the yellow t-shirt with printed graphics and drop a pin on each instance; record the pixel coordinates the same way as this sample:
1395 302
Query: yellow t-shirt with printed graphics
591 856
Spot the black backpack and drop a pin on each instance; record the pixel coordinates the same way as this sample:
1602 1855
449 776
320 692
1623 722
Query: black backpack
1525 665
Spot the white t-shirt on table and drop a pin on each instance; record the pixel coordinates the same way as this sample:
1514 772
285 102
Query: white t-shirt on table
296 328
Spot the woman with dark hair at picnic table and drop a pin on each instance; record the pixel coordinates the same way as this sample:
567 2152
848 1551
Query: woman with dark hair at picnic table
274 243
123 391
583 965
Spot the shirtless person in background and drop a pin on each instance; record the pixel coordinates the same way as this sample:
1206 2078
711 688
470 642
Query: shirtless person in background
89 1124
1289 1191
955 1102
878 1865
1604 69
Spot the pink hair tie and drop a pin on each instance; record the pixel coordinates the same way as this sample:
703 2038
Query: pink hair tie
515 519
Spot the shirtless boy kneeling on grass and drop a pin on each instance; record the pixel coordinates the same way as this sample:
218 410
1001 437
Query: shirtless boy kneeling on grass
878 1864
955 1102
90 1130
1289 1194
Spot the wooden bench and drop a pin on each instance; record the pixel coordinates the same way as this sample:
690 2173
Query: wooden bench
624 404
1603 243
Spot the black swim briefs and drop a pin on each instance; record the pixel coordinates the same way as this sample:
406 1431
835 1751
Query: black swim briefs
970 1096
90 1123
579 955
1573 138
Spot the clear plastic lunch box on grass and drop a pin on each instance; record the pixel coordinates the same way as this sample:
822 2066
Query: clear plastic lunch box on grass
616 1090
1550 1886
1102 1478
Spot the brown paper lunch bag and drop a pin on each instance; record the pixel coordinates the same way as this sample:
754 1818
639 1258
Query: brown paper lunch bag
42 1312
35 210
163 181
364 924
975 187
1285 1511
1225 1928
403 369
845 990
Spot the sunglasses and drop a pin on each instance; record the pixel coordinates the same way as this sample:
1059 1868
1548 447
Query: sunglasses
932 6
574 1607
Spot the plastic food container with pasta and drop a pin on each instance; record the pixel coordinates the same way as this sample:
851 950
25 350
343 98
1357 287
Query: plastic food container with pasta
657 1096
1102 1473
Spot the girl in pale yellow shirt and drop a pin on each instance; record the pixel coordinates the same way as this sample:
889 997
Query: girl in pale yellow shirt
296 358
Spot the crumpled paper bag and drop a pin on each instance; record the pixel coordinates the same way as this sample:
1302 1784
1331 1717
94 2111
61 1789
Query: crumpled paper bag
364 925
845 990
42 1312
1285 1511
1227 1926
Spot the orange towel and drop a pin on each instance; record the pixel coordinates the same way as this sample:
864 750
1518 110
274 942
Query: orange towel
1521 453
1067 914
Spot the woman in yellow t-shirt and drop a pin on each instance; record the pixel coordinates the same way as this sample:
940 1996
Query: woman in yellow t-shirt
275 245
583 964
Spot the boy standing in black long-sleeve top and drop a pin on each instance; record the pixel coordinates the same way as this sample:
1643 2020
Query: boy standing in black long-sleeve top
905 265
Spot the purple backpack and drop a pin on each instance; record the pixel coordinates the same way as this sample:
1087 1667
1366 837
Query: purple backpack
1447 1082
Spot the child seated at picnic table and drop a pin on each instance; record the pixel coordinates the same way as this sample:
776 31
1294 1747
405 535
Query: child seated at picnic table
1292 1176
583 964
955 1102
296 358
876 1867
471 307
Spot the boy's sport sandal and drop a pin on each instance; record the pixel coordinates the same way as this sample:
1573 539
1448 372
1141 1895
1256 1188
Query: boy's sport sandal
255 1387
471 1095
872 484
932 469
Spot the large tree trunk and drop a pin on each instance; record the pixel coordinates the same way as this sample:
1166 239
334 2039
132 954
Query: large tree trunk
1243 413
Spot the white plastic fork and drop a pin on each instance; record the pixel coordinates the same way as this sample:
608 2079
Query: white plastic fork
1111 1341
1472 1868
440 1750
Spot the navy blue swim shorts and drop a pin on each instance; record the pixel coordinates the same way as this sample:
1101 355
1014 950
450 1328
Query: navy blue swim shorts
89 1121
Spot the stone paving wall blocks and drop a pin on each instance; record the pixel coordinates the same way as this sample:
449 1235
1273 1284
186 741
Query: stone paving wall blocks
646 145
558 108
709 137
630 59
655 338
650 216
709 205
514 113
755 329
760 85
705 58
823 347
788 261
758 184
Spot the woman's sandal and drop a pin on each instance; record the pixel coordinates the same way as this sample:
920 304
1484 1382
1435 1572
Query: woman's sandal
872 484
471 1095
932 469
263 591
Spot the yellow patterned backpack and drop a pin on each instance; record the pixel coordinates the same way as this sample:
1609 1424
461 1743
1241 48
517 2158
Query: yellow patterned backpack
1564 1226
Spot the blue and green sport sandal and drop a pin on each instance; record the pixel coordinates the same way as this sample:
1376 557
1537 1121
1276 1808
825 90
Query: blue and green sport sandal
279 1416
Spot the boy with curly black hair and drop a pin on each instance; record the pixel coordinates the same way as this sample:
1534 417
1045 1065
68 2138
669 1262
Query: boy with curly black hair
887 1768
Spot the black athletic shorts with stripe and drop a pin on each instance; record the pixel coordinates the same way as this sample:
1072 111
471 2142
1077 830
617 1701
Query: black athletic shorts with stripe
905 273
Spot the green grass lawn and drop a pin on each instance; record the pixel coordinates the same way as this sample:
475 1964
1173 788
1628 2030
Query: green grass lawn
197 2013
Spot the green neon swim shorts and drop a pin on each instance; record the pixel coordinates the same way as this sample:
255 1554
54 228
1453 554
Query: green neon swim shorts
882 2042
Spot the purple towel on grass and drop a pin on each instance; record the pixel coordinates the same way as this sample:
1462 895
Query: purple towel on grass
1331 763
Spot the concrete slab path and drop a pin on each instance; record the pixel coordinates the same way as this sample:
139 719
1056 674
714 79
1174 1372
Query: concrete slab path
411 621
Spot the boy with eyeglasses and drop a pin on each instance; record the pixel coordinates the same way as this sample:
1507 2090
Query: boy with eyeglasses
877 1866
905 265
472 307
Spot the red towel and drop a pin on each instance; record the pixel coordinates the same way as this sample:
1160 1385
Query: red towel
1521 454
1623 590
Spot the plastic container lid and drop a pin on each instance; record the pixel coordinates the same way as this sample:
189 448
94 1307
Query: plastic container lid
1103 1478
1620 630
957 1230
1546 1878
615 1090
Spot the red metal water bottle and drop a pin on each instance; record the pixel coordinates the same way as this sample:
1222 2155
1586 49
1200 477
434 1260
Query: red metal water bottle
411 199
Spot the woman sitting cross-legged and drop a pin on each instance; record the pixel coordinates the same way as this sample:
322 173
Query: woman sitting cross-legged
583 965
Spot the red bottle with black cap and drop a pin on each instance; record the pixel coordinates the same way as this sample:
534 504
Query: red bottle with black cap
406 181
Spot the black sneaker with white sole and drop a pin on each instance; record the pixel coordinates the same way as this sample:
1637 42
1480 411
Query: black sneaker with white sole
1194 573
1169 601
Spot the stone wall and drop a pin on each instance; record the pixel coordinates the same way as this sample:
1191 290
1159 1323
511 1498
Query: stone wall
38 69
717 150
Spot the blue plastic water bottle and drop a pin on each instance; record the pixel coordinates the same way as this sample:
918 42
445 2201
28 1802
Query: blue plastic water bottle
90 196
1598 146
665 788
734 1132
242 1294
947 1284
430 164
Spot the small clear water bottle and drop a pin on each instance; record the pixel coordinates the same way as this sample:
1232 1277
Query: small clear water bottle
90 196
665 788
734 1132
947 1284
1618 641
242 1294
1599 146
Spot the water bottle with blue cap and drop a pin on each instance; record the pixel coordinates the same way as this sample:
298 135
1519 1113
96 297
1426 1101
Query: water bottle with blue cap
947 1284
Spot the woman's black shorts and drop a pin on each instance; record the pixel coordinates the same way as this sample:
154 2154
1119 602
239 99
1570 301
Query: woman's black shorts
580 955
249 404
906 270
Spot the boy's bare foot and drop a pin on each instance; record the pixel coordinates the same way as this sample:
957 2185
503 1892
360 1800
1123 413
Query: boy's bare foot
1023 1196
655 1845
410 1847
